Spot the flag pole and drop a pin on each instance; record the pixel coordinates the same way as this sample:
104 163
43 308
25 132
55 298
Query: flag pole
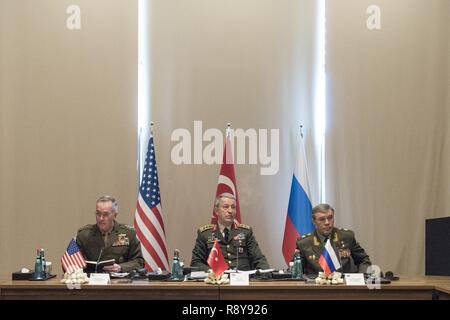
138 165
228 130
306 162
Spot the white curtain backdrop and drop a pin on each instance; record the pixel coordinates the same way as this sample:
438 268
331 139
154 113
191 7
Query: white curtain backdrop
388 117
247 62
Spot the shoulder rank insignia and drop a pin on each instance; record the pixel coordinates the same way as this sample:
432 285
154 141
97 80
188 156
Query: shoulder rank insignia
244 226
128 227
305 235
207 227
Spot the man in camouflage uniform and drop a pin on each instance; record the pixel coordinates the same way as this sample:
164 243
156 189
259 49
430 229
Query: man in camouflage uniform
110 238
351 255
239 246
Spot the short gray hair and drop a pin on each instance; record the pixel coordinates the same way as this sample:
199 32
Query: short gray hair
223 195
323 208
106 198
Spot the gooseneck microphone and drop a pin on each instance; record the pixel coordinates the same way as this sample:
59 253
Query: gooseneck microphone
98 260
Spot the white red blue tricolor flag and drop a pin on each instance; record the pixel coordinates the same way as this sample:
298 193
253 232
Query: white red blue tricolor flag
298 218
328 260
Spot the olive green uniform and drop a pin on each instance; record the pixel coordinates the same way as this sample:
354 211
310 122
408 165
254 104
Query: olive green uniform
352 256
121 244
241 249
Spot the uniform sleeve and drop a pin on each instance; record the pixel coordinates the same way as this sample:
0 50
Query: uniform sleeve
361 258
81 245
259 261
135 260
200 253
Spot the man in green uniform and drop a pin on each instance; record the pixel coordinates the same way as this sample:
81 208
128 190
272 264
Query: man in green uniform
351 255
239 246
109 239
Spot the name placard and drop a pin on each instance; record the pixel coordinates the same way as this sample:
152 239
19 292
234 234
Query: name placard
99 279
239 279
354 279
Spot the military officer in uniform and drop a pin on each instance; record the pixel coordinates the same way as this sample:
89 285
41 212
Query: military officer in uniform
239 246
351 255
108 239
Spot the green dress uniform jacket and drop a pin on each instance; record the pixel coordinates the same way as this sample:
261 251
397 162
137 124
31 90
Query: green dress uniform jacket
352 256
122 245
241 249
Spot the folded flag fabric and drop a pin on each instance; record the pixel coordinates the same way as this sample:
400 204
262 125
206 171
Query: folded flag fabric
216 260
328 260
72 258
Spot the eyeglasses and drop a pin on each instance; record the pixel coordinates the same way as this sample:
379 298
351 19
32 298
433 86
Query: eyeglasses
103 214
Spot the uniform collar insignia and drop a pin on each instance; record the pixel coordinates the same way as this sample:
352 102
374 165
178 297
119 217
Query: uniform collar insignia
316 241
336 237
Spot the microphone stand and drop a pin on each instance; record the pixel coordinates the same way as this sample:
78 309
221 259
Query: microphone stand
237 259
99 256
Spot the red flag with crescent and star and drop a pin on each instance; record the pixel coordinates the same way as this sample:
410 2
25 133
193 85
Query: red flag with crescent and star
227 179
216 260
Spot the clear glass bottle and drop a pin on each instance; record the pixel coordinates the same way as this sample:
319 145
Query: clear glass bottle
297 269
44 266
38 265
177 270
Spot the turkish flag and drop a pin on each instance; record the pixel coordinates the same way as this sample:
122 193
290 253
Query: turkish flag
227 179
216 260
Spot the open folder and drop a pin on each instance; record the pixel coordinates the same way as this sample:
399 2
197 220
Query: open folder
94 266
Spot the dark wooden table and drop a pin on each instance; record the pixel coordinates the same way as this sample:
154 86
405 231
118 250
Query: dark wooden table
405 288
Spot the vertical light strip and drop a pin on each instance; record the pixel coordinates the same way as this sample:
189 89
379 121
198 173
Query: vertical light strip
143 82
320 97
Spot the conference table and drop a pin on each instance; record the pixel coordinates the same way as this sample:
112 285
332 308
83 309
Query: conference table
421 288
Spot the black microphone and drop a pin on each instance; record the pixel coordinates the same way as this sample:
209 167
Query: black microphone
98 260
390 276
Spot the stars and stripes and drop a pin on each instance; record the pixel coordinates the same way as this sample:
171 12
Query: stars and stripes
72 259
227 179
148 220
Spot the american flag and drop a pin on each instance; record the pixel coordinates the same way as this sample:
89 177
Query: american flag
148 220
72 259
227 180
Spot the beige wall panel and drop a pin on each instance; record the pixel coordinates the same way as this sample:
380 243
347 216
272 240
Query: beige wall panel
388 114
68 121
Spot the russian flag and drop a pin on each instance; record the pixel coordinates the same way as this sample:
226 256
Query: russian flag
328 260
298 219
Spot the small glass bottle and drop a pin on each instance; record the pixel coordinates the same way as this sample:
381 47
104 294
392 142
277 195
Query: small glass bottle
297 269
44 266
38 265
177 270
